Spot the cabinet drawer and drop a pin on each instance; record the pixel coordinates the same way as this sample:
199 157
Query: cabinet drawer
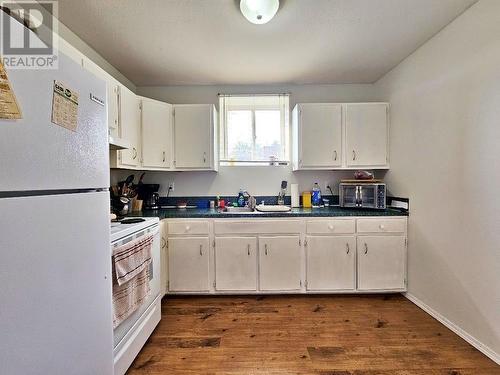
258 226
376 225
331 226
188 227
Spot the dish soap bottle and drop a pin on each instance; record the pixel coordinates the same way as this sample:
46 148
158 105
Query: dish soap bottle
241 199
316 195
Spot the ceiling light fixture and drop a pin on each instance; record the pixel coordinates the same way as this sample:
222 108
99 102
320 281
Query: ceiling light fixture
259 11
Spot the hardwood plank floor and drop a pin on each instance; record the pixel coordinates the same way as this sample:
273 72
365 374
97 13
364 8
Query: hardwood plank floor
316 335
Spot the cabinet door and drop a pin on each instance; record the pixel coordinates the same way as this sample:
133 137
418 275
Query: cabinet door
279 263
366 134
320 137
192 136
188 262
113 101
156 133
236 263
331 262
130 119
164 257
111 92
381 262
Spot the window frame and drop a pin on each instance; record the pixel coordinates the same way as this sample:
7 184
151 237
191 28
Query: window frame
283 106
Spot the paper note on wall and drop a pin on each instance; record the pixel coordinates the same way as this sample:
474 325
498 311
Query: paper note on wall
9 108
64 106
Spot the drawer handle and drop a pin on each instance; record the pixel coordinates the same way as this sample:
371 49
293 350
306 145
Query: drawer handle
382 226
347 247
201 248
248 249
188 228
330 227
366 248
265 247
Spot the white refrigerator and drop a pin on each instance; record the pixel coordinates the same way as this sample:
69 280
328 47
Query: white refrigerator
55 263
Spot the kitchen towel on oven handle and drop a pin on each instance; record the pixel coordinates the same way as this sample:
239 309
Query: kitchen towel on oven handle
132 258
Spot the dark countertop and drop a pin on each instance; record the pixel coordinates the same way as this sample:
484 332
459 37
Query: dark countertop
172 213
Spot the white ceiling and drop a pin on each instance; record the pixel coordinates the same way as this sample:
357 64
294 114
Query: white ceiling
181 42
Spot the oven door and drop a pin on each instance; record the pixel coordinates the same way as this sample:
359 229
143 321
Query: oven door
154 282
349 196
368 196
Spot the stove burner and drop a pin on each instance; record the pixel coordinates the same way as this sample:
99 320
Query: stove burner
132 221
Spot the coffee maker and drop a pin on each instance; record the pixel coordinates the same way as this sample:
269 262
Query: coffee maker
149 195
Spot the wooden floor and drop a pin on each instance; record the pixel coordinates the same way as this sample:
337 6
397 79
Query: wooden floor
321 335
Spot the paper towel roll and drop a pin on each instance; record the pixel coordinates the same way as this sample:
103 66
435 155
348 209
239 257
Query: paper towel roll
294 191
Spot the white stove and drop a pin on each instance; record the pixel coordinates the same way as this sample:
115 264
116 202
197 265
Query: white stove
121 230
132 333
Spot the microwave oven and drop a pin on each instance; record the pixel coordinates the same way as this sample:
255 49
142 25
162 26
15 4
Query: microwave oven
363 195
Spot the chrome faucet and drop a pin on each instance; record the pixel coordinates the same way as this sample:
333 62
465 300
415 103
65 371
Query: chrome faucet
282 193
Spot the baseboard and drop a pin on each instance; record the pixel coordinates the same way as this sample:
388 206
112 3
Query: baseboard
459 331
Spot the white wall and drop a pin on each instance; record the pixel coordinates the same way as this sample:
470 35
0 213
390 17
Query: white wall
92 54
257 180
445 156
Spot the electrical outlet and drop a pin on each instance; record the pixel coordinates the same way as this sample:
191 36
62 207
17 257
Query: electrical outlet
171 186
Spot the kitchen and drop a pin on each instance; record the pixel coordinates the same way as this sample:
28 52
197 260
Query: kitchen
294 187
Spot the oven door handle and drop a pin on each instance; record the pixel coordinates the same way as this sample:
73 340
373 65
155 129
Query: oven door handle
357 196
360 196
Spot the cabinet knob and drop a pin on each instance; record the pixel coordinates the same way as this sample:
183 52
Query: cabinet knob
330 227
188 228
382 226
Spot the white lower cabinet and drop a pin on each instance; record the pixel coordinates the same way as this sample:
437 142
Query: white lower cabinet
188 264
236 263
253 255
381 262
280 263
331 262
164 257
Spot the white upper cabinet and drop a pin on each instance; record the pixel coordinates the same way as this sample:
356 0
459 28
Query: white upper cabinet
195 136
130 126
340 136
317 130
112 94
156 122
366 127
